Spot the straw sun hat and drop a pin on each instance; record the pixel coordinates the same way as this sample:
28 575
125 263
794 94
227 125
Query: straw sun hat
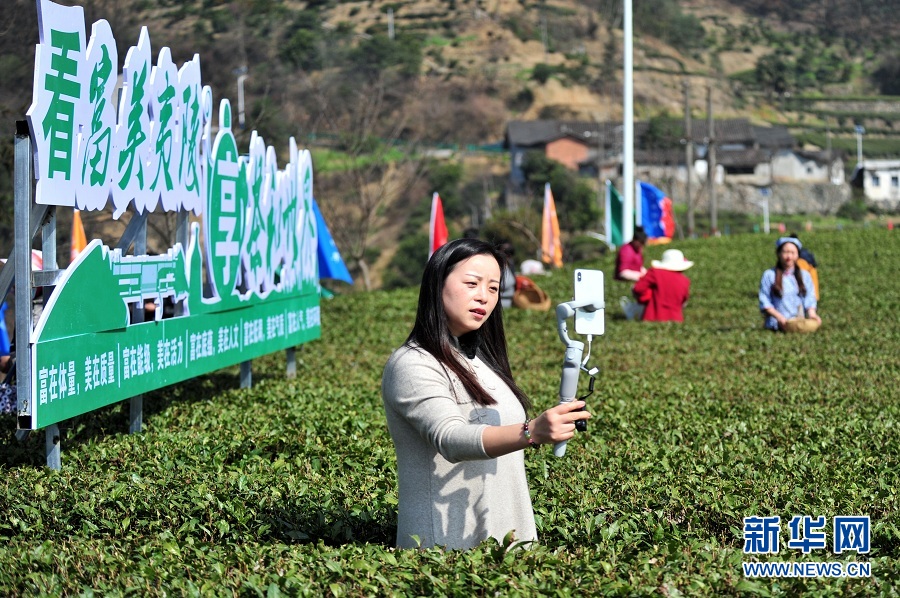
672 259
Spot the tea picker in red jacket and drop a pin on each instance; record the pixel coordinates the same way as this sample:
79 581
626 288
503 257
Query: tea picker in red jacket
664 290
630 258
630 268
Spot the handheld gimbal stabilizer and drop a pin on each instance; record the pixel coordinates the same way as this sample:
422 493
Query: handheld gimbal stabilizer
588 308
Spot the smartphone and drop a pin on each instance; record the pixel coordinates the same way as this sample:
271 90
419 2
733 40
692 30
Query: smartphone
589 287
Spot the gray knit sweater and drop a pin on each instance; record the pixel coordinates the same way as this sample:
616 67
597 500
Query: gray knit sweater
452 493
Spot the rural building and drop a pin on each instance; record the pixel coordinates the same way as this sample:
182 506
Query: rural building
880 182
745 153
748 158
808 167
580 146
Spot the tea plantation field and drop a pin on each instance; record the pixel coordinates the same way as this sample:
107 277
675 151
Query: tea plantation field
289 488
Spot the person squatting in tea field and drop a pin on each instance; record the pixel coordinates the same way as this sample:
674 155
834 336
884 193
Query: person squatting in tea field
787 298
664 290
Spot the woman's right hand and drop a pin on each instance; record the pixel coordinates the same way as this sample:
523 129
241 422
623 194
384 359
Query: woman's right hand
779 319
558 423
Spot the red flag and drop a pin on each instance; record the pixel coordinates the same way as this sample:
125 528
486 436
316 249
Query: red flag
79 239
437 229
668 218
551 248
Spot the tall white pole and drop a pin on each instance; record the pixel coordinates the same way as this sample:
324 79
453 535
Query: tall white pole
628 131
240 83
241 73
859 133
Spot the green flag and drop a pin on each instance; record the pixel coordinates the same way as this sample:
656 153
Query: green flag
613 217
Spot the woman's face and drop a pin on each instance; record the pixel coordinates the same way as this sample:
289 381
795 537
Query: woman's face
470 293
787 255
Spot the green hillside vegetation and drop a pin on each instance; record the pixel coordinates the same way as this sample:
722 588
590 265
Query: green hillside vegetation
289 487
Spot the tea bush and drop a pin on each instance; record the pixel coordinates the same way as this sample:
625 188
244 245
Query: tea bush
289 488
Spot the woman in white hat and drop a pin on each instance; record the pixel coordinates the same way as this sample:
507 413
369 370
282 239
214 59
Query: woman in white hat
664 289
786 291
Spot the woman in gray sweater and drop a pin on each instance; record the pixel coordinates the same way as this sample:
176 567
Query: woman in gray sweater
456 416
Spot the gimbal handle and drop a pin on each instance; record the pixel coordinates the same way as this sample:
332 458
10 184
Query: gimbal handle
568 383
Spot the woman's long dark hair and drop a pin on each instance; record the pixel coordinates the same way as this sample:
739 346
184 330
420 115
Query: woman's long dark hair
432 330
777 288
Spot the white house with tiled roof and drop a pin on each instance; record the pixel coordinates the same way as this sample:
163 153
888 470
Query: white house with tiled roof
880 181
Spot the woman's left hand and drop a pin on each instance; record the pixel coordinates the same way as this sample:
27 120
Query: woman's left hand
558 423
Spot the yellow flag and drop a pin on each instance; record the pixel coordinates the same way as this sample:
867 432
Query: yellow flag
551 248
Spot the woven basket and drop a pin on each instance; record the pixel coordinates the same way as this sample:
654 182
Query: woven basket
801 325
532 298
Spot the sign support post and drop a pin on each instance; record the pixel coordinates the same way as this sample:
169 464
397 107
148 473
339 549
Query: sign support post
291 355
24 290
22 262
22 253
48 249
246 374
136 403
182 235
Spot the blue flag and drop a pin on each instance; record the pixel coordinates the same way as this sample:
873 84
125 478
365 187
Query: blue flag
656 212
331 264
4 333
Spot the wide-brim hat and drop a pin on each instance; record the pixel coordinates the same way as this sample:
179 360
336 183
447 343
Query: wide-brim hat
672 259
531 267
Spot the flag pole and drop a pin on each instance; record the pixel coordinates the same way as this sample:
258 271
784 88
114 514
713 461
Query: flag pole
638 204
628 128
607 214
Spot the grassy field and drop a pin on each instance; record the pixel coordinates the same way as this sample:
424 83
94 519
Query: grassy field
289 488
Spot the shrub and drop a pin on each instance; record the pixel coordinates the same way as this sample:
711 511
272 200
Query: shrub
855 209
405 268
542 72
303 50
403 53
664 20
445 178
887 75
583 248
576 203
521 101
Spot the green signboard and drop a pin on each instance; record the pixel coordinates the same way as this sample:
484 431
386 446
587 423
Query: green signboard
247 286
